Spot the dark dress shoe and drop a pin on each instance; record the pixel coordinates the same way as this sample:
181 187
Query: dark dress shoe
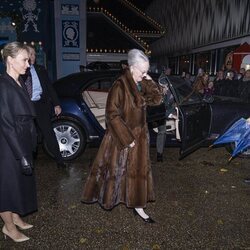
148 220
247 180
35 155
159 157
61 165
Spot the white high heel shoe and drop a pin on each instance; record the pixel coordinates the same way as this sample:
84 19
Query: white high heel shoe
21 239
27 226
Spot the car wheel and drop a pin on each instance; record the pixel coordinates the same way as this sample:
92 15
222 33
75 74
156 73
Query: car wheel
71 139
230 148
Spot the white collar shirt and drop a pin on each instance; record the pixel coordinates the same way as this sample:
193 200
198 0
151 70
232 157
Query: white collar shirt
36 85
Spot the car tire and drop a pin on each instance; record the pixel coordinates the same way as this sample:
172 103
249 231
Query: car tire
230 148
71 139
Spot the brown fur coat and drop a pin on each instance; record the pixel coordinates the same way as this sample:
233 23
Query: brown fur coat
120 174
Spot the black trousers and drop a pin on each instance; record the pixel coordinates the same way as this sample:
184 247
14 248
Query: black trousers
44 124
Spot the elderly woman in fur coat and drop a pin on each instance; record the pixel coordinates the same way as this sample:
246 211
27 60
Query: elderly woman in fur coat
121 171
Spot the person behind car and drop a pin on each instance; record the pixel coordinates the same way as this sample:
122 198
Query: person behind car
170 114
230 85
200 72
218 82
244 87
241 74
121 171
209 90
17 141
201 83
187 79
43 96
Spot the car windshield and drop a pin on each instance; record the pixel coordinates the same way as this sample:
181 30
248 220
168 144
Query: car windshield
184 93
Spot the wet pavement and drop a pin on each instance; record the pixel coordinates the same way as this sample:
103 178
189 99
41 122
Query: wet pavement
201 203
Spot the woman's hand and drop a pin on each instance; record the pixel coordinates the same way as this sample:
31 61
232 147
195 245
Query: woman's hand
27 166
147 77
131 145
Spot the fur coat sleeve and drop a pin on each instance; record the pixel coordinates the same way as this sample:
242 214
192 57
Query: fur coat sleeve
115 116
152 92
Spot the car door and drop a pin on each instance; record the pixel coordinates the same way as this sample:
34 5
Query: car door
194 116
95 97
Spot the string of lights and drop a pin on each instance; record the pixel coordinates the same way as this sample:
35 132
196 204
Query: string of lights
143 14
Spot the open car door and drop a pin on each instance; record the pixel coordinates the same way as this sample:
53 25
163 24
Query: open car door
194 116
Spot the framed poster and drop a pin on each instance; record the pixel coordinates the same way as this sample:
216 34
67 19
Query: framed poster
70 33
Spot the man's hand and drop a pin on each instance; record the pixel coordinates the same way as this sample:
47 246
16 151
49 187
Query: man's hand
164 89
173 116
58 110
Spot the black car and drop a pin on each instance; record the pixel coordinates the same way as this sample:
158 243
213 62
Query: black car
83 98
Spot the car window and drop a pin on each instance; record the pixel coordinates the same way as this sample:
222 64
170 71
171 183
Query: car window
184 93
101 85
95 96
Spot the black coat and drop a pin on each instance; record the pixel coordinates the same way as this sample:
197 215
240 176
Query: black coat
17 139
227 87
244 90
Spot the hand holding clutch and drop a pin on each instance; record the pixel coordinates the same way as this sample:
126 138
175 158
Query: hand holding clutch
26 166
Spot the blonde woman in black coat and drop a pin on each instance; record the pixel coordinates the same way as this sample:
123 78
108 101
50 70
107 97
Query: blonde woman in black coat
17 141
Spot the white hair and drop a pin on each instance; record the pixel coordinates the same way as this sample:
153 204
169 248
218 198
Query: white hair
136 56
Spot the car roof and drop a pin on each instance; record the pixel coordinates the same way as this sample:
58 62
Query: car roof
70 85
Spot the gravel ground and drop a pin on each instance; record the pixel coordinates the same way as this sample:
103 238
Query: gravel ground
201 203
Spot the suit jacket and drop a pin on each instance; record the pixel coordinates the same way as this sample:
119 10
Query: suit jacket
49 93
49 96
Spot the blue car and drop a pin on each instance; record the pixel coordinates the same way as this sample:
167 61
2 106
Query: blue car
83 98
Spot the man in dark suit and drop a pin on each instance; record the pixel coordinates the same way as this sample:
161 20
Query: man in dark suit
46 103
170 113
